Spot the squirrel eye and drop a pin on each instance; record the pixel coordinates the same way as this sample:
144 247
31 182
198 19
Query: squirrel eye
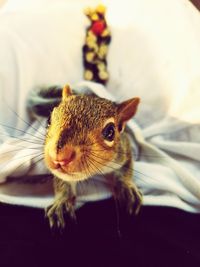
109 132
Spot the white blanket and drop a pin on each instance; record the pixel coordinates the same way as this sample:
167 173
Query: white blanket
153 55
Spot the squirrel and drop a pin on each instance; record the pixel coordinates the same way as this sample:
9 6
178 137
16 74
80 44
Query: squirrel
86 137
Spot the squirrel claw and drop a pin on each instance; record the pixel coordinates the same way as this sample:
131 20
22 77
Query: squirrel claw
134 200
55 213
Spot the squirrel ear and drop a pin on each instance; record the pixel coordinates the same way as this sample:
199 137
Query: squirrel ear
126 110
66 91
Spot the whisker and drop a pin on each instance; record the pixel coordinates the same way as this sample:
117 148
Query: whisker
92 180
32 164
88 166
80 182
94 168
24 156
22 139
131 169
23 162
41 123
35 162
84 164
140 154
27 123
19 130
114 169
94 158
16 150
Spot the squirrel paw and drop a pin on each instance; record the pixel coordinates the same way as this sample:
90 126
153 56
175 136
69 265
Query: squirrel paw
133 200
130 198
56 211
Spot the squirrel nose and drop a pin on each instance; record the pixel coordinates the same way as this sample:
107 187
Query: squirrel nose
66 158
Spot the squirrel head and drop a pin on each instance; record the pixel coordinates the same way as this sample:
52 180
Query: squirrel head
83 137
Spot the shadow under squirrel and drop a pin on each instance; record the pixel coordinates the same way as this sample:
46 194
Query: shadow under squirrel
86 137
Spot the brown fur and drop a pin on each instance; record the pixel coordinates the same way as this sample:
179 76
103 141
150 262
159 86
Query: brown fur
75 134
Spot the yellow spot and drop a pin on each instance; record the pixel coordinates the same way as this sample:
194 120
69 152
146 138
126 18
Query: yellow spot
105 33
101 66
103 75
90 56
103 49
101 9
94 17
88 75
88 11
91 36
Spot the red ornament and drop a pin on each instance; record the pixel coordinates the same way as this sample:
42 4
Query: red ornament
98 27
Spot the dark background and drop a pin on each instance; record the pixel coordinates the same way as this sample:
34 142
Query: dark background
157 237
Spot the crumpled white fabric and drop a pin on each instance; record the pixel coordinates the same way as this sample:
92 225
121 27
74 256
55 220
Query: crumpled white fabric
163 180
154 54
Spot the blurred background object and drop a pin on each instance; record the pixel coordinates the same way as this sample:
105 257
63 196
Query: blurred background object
196 3
2 2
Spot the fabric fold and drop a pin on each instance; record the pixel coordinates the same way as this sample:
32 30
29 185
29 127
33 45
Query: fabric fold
162 179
